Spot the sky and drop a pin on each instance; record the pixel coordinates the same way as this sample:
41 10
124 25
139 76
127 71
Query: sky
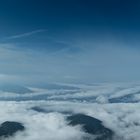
82 41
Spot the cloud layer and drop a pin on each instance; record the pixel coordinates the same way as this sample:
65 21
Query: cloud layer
45 118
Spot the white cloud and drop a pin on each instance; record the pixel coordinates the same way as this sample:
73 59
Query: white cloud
51 126
122 118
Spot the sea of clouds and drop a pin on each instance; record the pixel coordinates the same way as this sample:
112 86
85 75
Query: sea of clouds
43 111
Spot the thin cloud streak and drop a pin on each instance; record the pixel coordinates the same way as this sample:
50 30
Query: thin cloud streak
26 34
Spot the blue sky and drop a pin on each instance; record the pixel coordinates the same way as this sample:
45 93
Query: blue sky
69 41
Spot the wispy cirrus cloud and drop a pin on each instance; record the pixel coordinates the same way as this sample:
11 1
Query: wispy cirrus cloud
26 34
